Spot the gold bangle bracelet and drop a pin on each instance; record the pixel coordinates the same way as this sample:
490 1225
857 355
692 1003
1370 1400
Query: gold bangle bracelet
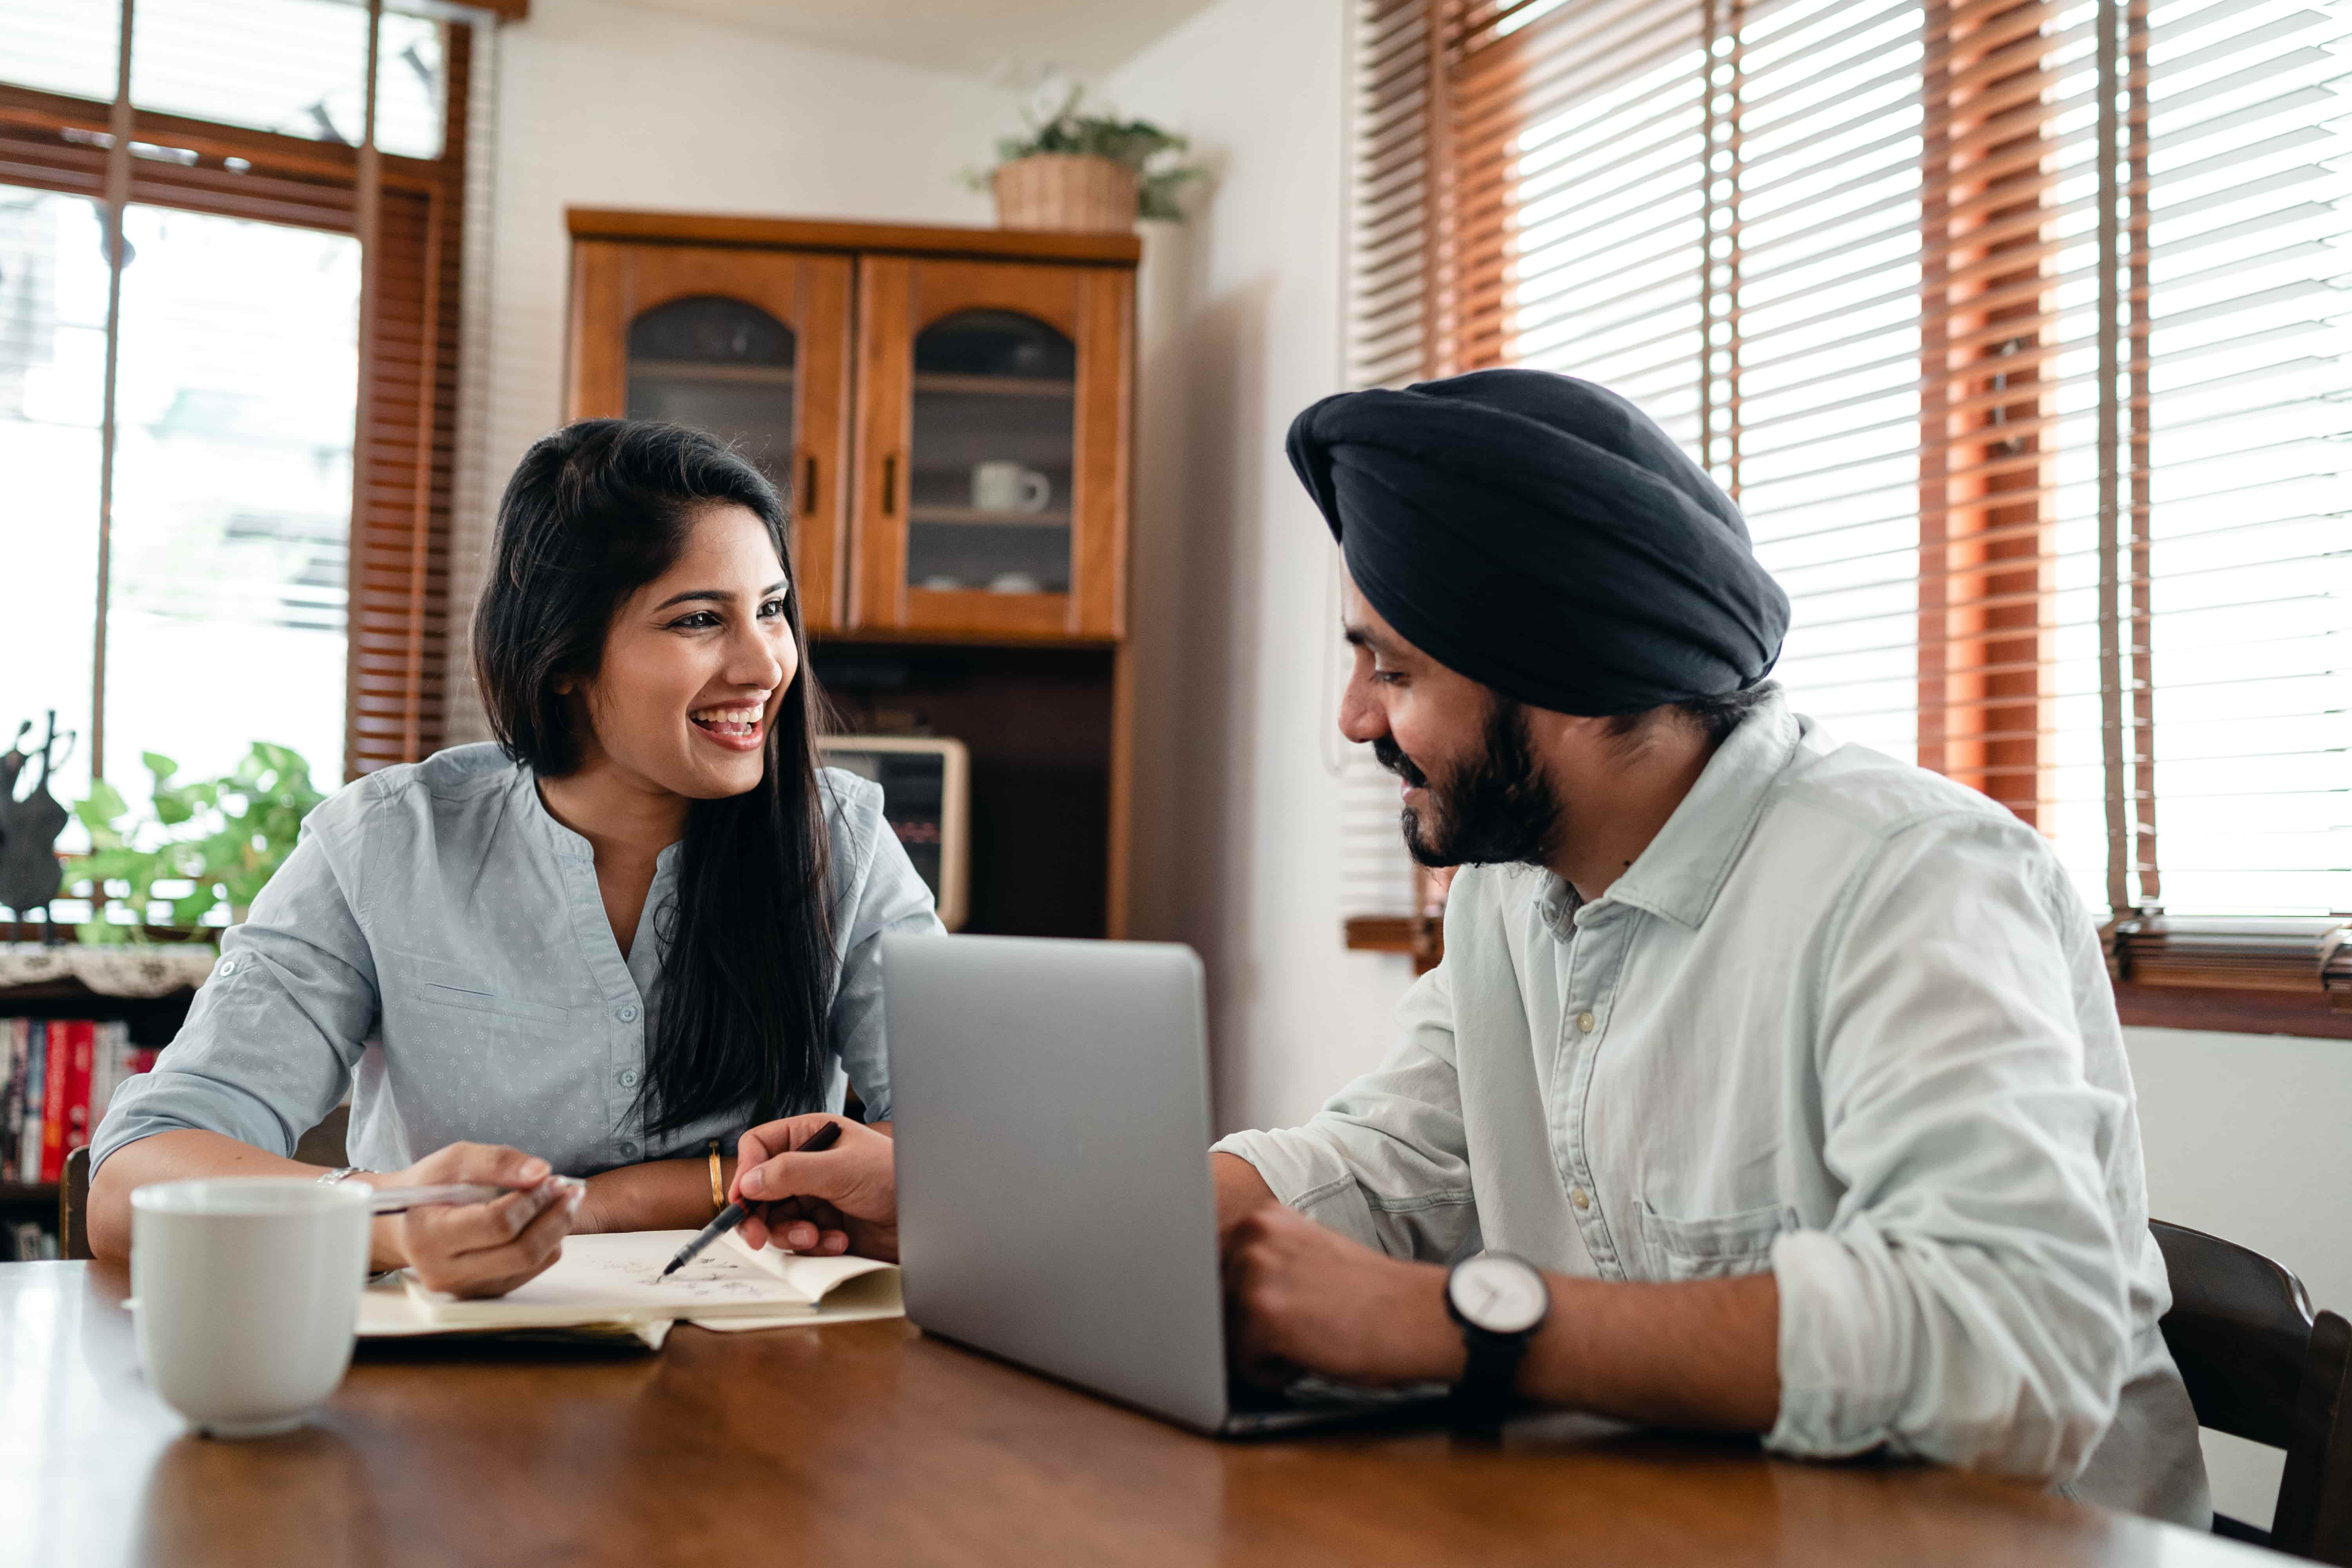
717 1186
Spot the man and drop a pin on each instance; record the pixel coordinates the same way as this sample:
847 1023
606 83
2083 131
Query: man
1779 1082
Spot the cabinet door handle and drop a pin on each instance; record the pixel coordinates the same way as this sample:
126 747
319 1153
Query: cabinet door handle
808 485
889 484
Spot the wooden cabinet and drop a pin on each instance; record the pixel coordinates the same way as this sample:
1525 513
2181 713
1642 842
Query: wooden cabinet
963 473
949 414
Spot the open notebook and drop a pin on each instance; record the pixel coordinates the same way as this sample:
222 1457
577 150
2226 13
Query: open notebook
616 1279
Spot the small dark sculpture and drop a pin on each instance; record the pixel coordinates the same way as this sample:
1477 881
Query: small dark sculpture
30 870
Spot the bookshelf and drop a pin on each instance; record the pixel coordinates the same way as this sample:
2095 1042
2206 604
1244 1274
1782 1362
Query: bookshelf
150 1021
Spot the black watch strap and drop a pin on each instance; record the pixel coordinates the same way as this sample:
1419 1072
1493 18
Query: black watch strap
1490 1375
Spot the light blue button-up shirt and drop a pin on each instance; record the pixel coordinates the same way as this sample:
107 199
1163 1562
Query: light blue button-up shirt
1842 1020
436 945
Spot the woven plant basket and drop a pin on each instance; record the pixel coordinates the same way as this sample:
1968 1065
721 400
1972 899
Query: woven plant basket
1066 191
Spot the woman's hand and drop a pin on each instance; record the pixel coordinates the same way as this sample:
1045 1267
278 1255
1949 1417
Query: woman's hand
478 1249
843 1200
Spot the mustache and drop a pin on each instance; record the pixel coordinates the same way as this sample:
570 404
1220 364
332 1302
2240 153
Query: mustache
1391 756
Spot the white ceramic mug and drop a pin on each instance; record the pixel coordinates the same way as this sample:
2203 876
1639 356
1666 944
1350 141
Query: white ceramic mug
248 1296
1009 487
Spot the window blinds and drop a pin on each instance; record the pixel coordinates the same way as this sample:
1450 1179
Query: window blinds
59 133
1391 274
2015 328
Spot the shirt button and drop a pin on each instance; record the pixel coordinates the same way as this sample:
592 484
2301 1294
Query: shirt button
1584 1022
629 1077
627 1012
1581 1198
628 1151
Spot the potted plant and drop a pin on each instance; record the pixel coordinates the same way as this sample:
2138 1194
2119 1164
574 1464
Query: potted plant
224 836
1073 170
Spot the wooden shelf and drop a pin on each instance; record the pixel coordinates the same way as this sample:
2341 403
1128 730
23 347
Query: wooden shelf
697 370
977 515
978 609
996 385
27 1194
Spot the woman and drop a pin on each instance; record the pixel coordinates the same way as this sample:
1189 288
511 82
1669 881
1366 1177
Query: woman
604 947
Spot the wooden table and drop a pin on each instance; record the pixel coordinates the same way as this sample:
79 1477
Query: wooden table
867 1445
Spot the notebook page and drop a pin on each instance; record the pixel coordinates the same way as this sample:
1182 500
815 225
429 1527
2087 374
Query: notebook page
618 1276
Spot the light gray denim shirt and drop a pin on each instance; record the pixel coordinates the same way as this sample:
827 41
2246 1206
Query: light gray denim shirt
1844 1020
436 945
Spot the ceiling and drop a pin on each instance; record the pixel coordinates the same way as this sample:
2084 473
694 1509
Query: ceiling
1008 41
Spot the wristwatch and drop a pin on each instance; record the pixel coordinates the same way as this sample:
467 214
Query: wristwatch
1500 1301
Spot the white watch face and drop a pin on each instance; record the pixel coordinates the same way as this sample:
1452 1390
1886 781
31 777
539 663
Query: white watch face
1500 1294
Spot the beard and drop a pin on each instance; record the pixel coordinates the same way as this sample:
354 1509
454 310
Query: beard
1496 809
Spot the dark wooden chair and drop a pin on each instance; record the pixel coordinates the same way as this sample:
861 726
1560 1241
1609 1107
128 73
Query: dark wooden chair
322 1145
2260 1366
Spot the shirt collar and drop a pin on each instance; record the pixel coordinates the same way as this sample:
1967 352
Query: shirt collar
566 844
1686 866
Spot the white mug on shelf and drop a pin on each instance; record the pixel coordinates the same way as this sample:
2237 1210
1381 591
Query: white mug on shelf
1008 487
246 1296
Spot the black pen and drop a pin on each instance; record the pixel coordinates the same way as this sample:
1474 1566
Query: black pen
733 1215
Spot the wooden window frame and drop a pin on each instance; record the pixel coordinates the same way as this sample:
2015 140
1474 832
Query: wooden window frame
408 214
1985 514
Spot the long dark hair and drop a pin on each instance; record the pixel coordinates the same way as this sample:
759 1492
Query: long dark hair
595 512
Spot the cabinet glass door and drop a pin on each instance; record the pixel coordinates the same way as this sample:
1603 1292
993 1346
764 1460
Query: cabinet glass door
991 455
752 346
991 483
722 366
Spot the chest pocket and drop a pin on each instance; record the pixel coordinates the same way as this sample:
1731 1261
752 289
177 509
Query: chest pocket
1716 1246
440 984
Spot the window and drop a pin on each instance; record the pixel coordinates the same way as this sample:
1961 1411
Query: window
2015 329
229 438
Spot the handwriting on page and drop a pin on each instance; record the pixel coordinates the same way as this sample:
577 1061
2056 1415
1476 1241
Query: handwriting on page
713 1277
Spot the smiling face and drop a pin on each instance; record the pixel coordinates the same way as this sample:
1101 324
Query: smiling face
1473 792
695 663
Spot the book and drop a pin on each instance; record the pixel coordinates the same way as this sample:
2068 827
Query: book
27 1126
14 1036
387 1312
110 1065
81 1043
56 1057
616 1279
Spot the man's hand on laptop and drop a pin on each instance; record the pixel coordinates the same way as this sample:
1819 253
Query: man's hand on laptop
845 1199
1302 1297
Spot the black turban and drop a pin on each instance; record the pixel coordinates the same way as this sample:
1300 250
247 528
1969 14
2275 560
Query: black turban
1540 535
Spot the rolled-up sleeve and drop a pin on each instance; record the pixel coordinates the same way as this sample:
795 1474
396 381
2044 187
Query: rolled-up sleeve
1385 1162
880 893
271 1039
1968 1302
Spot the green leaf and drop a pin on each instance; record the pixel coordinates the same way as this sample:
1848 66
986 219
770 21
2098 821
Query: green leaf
191 910
100 812
162 766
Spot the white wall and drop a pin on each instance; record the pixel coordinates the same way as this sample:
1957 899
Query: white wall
606 105
1237 849
2249 1137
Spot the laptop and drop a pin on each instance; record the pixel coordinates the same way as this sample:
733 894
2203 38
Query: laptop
1050 1105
